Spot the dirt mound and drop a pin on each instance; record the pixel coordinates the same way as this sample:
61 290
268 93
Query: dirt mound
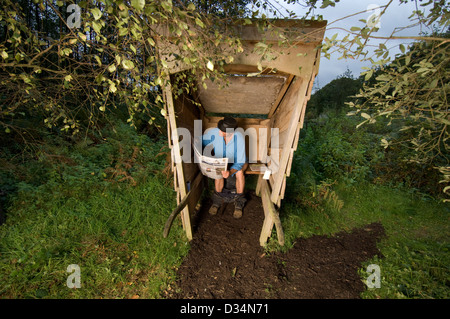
226 261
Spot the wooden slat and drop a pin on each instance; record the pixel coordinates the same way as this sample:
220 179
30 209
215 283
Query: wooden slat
289 166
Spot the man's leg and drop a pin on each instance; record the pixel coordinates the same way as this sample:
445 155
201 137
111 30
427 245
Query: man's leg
218 184
216 198
240 180
240 186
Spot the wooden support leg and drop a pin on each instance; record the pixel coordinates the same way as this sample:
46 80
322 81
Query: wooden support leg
258 185
271 217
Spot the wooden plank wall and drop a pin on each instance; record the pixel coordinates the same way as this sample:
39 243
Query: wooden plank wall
289 118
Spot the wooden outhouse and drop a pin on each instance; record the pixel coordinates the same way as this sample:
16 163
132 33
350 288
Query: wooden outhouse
273 102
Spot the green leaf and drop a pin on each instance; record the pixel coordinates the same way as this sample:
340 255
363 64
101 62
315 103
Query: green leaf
402 48
96 13
199 23
259 65
355 29
4 55
133 48
96 26
138 4
210 65
127 64
365 115
407 59
123 31
98 60
167 5
111 68
368 75
421 70
112 88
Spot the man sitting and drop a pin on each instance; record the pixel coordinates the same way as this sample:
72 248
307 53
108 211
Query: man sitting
228 143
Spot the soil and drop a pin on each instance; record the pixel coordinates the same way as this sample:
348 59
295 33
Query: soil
226 261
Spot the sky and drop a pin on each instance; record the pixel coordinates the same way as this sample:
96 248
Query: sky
396 16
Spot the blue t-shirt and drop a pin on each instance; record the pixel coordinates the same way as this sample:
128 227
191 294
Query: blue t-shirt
234 150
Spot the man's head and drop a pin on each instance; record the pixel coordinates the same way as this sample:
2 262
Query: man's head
227 123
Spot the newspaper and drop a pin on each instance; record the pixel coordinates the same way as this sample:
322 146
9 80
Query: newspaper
211 166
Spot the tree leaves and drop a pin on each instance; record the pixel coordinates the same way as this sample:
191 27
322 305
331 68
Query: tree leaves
411 93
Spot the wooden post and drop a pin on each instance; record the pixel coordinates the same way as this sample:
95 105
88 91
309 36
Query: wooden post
177 158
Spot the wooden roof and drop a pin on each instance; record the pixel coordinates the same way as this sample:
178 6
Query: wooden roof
297 58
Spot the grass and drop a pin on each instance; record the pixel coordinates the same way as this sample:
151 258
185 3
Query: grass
105 214
114 235
416 249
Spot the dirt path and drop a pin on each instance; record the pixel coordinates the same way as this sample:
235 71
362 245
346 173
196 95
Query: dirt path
226 261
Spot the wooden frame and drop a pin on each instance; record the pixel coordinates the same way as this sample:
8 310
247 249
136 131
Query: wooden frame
283 103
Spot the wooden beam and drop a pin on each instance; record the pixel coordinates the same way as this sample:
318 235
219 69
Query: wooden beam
184 201
281 95
271 216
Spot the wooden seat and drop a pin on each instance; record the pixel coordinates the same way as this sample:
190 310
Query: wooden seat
256 168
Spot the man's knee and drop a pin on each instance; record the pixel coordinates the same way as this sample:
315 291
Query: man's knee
241 172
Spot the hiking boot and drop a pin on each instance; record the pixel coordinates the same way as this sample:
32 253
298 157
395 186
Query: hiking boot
239 203
237 213
213 209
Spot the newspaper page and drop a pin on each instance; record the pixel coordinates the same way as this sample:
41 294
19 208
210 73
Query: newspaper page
211 166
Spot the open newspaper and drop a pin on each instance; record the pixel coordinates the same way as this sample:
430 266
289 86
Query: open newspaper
210 166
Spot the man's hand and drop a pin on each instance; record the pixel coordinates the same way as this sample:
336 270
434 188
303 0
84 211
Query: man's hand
226 174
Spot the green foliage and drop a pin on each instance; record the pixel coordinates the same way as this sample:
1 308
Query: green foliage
336 150
334 94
